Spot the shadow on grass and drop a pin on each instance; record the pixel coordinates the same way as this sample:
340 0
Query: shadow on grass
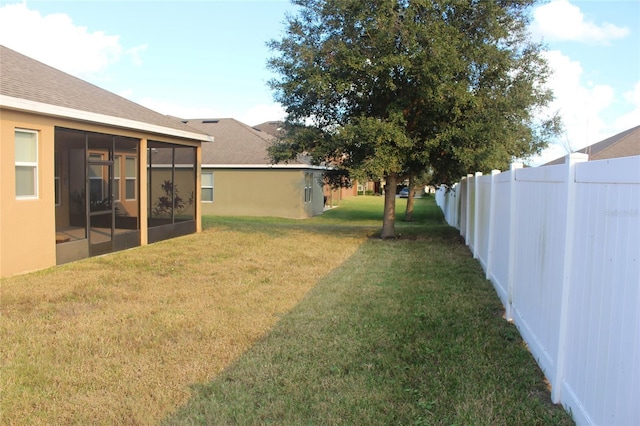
353 217
406 331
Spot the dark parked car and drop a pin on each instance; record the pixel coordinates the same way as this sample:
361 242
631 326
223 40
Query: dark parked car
404 192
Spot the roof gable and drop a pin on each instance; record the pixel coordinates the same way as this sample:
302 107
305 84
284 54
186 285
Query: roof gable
235 142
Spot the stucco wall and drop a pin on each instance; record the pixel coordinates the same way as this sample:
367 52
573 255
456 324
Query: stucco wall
263 192
27 226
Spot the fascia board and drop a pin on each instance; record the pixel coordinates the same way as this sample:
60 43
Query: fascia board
262 166
64 112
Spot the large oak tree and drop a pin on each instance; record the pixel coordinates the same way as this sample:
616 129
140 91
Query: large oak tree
390 88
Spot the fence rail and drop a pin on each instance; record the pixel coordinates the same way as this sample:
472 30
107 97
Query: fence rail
561 245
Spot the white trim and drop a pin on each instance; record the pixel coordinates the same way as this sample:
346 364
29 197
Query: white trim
128 178
33 165
58 111
262 166
203 186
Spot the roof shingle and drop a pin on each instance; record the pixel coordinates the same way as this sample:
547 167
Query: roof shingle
235 142
25 78
624 144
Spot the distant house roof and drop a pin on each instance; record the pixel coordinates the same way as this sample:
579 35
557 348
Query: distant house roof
625 144
236 144
29 85
274 128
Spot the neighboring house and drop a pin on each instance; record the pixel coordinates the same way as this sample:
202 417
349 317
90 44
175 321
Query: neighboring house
239 179
333 196
85 172
624 144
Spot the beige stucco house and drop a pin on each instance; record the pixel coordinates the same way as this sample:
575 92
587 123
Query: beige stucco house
332 195
239 179
85 172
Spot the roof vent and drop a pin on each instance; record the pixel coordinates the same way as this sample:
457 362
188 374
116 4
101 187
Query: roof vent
209 121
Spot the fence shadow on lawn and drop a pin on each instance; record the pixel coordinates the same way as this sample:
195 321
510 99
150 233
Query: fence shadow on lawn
406 331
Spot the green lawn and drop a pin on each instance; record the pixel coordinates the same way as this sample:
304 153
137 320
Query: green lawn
271 321
404 332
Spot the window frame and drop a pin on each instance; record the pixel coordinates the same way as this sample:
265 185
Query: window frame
99 177
203 186
117 164
308 187
23 164
128 178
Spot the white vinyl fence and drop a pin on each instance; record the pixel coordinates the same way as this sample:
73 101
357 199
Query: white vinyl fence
561 245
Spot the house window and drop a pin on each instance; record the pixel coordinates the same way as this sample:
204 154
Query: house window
96 183
56 177
308 187
26 163
130 173
207 187
116 178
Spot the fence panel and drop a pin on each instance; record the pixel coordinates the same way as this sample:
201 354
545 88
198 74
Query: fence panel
470 227
447 200
482 218
602 371
500 247
561 245
540 227
462 205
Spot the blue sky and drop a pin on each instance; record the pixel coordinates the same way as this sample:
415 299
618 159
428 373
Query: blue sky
207 58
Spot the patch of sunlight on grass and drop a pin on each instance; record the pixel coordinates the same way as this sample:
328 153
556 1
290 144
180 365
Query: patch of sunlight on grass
117 339
404 332
262 320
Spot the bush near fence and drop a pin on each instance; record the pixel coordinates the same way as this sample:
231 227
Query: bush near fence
561 245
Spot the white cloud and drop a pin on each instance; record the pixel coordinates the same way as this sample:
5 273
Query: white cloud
559 20
632 118
259 114
55 40
579 104
134 53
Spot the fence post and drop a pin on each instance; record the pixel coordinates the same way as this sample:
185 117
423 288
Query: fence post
492 214
512 238
456 204
570 162
476 216
467 208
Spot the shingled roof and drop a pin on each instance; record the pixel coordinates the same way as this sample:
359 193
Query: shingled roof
29 85
274 128
624 144
236 143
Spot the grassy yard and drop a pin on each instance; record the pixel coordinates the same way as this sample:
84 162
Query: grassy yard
258 321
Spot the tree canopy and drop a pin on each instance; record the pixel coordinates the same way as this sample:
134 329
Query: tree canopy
391 88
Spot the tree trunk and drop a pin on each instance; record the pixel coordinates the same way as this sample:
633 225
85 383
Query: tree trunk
389 218
408 213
